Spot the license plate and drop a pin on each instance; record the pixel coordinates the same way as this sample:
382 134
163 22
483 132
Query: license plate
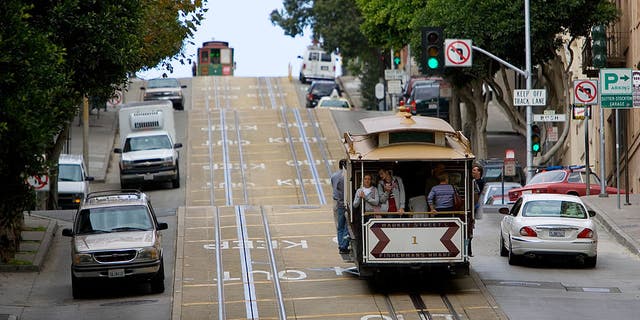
556 233
324 68
148 176
116 273
433 106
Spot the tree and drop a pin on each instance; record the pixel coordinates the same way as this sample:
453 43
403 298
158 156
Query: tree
51 55
335 23
498 27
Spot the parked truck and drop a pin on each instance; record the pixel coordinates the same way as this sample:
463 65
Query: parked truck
149 153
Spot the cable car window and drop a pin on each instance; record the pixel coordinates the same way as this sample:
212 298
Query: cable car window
399 137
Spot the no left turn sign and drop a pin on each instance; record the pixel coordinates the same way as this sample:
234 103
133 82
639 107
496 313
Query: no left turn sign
457 53
39 183
585 92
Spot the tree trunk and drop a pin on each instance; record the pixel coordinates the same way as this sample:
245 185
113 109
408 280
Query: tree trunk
12 205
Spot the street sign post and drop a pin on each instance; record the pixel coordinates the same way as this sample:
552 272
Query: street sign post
534 97
616 90
393 74
457 53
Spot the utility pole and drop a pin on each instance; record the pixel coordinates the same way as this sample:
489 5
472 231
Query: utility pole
527 36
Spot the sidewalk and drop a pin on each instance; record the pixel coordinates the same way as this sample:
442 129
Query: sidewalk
623 223
38 231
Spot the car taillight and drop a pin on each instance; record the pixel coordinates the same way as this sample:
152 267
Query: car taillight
304 66
413 106
310 96
586 233
528 232
401 103
513 196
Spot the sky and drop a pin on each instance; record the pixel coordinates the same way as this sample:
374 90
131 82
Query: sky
260 48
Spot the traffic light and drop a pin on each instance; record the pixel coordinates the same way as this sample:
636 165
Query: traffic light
599 46
535 139
433 50
396 58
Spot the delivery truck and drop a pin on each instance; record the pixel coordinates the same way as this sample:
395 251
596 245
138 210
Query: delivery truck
149 153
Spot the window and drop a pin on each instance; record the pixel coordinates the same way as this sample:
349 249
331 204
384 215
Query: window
313 56
554 208
418 136
325 57
70 172
548 176
109 218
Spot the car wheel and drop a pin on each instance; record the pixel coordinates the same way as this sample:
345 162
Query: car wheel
590 262
77 287
176 182
302 78
513 259
503 250
157 282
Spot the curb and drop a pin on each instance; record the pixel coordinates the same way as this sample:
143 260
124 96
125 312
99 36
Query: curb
622 237
43 249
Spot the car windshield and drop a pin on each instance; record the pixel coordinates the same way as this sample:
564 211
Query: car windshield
548 176
554 208
496 190
147 143
426 93
163 83
334 103
323 88
69 172
113 219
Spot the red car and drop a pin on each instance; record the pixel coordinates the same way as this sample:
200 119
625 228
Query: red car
570 180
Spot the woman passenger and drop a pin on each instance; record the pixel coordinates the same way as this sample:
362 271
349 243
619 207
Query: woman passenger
391 189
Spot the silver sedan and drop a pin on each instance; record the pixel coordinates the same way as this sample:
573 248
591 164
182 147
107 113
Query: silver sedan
548 224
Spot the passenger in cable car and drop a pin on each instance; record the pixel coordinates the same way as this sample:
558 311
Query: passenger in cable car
391 190
369 193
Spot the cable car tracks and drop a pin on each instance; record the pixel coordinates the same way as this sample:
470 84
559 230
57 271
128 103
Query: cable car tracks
256 238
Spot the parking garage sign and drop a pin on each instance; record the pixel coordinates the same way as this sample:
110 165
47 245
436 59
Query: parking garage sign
616 90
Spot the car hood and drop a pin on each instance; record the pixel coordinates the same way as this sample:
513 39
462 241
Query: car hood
71 187
147 154
114 241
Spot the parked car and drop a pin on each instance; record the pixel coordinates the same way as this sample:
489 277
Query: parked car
492 189
334 103
165 89
492 171
115 237
425 100
319 89
563 180
73 181
546 224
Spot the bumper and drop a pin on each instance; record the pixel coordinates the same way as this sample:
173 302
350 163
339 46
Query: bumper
523 245
141 271
174 99
158 176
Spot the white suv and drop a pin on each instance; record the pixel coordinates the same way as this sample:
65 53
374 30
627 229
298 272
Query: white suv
115 237
73 181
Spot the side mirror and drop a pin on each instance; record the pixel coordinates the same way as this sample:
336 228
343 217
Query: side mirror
592 213
177 145
162 226
503 210
67 232
89 178
143 88
184 86
300 57
117 150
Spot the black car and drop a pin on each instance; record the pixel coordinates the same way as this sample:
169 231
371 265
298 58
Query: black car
425 100
492 171
319 89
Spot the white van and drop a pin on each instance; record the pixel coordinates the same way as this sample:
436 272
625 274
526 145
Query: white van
317 65
73 181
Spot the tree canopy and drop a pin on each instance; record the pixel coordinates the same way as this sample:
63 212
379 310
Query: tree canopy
54 53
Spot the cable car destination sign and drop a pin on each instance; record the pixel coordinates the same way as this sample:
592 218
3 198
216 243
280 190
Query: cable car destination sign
535 97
